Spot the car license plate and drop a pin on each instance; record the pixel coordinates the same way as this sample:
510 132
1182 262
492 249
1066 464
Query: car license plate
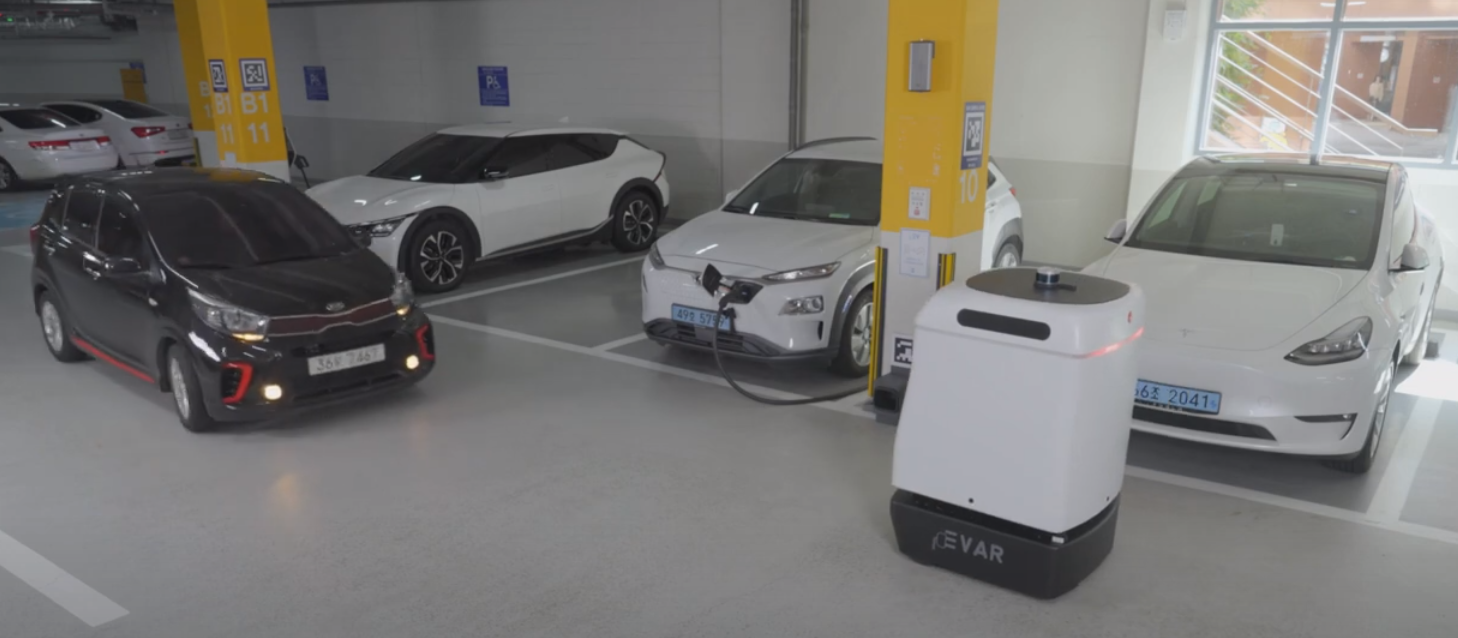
177 134
698 317
1173 396
85 145
324 364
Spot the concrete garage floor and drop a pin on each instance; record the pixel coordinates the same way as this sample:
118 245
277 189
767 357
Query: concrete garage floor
558 477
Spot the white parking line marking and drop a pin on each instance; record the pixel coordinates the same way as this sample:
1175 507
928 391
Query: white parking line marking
854 406
21 250
531 282
1402 468
62 588
618 343
639 363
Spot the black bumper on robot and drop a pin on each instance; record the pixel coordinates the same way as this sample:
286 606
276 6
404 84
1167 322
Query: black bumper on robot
1000 552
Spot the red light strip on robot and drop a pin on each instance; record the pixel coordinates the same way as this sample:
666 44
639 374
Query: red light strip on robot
1114 346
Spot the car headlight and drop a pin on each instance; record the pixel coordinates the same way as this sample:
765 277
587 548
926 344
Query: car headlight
655 258
813 272
383 228
804 306
1343 344
243 324
403 296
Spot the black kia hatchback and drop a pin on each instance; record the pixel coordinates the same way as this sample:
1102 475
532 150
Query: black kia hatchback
230 289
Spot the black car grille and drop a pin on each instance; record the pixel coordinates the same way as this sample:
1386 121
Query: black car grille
1202 424
315 324
231 379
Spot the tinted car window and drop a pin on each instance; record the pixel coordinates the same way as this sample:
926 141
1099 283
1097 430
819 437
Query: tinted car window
79 113
1267 216
31 119
568 151
82 209
815 190
129 109
523 155
241 225
445 159
118 235
599 145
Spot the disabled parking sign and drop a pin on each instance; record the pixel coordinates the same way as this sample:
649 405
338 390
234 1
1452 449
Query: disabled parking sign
493 84
316 84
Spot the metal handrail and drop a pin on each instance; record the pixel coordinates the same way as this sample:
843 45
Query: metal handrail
1314 72
1237 116
1298 105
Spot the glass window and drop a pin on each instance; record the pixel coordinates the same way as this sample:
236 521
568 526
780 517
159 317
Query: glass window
79 113
1274 10
32 119
440 159
118 235
569 151
523 156
82 209
1392 94
599 145
815 190
1266 90
129 109
241 225
1402 9
1267 216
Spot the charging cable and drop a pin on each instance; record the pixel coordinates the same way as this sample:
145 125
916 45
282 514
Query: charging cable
726 311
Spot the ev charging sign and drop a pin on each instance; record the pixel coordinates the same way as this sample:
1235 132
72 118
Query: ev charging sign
974 124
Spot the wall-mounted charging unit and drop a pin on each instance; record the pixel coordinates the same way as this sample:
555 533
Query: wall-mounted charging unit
920 74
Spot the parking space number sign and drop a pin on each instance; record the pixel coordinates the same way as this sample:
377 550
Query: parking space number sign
254 72
218 72
973 132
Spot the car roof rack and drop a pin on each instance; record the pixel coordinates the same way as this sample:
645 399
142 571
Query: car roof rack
833 140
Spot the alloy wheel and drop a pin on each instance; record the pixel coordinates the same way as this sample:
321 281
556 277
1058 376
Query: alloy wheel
51 324
638 222
442 258
860 337
179 387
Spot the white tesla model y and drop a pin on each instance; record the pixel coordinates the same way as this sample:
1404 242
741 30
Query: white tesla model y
485 191
1282 297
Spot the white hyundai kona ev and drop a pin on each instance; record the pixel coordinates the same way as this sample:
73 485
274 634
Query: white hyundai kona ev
37 145
1282 297
143 135
805 228
486 191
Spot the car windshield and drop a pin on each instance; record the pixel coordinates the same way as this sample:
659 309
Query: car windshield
818 190
241 225
32 119
438 158
128 109
1267 216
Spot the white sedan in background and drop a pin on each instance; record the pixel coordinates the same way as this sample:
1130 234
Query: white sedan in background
37 145
484 191
1282 297
142 135
806 227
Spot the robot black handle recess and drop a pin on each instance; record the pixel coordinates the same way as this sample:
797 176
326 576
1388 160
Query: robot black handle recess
739 293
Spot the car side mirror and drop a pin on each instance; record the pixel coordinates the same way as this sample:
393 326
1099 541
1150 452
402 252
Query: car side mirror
493 173
1117 231
1414 257
122 266
730 197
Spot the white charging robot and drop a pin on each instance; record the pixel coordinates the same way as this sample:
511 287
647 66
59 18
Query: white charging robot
1011 444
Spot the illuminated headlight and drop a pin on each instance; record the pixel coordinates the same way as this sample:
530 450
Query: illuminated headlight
242 324
1344 344
654 258
403 296
383 228
804 306
813 272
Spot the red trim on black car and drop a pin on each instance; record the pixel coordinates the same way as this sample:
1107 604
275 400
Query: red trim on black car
96 352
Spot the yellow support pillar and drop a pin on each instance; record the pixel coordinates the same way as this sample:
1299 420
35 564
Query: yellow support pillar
227 57
938 110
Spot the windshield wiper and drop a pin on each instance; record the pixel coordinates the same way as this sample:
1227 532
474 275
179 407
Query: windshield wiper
208 266
1285 260
731 208
291 258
